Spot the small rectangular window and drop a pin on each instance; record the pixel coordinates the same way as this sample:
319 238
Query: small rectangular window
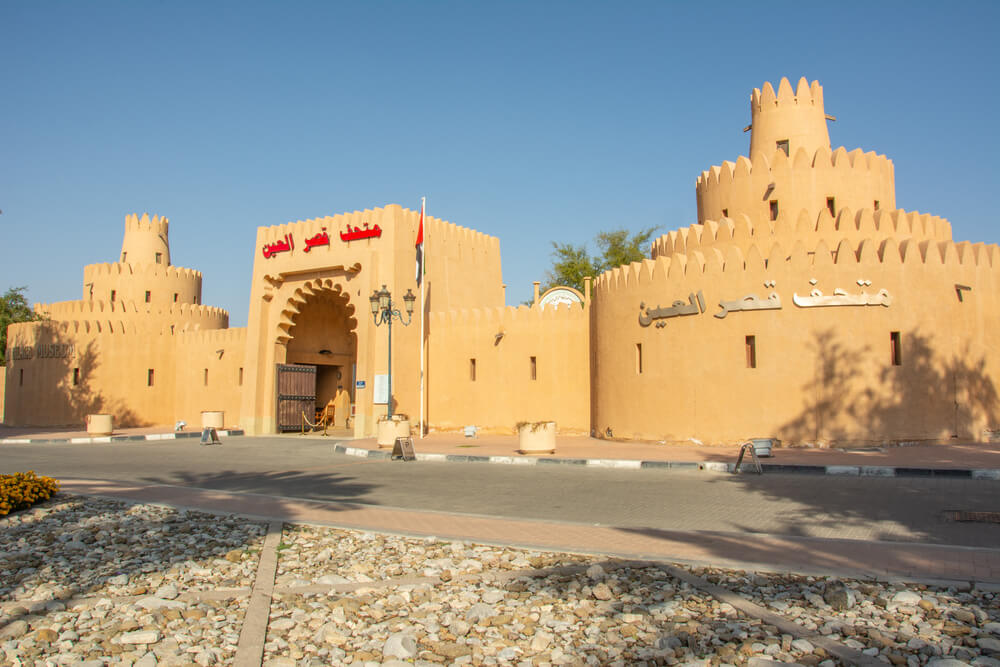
175 297
774 209
159 257
149 378
876 204
147 296
725 213
751 347
782 145
534 368
20 378
76 377
638 358
472 370
123 256
206 377
112 295
831 206
240 377
895 348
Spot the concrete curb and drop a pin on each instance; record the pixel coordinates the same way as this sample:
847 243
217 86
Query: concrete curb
704 466
118 438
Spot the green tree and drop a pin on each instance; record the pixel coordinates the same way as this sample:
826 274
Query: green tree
572 263
14 308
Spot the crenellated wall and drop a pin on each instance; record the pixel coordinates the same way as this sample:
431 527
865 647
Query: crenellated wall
823 375
741 231
503 390
805 181
209 374
119 281
141 316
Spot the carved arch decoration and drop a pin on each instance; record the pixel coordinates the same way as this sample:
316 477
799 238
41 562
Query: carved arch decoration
303 295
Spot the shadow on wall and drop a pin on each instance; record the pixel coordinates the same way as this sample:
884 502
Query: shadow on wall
925 396
74 394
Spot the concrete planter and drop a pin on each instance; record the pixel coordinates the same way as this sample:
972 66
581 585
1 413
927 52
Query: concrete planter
99 425
212 419
536 438
398 426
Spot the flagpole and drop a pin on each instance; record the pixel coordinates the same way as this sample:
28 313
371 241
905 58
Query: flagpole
423 205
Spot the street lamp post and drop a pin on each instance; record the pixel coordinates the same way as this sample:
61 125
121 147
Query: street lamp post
383 312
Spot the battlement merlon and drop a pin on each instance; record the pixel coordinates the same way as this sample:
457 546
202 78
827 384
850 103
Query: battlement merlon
796 117
146 241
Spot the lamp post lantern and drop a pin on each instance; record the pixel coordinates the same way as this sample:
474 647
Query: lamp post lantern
383 312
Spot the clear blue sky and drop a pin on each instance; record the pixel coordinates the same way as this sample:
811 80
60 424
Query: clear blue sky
530 121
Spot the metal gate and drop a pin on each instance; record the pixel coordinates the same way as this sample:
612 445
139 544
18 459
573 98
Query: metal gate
296 394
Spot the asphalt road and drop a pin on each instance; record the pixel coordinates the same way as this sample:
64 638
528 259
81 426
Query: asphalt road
892 509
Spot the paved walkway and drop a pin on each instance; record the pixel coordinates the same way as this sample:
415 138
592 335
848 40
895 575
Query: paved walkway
850 558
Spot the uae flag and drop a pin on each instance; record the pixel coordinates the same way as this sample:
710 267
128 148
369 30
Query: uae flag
420 248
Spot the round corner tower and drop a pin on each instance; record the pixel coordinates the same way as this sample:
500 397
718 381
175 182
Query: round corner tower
789 120
146 241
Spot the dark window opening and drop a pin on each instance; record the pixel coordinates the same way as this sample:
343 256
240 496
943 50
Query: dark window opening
876 204
782 145
149 378
638 358
895 348
831 206
159 257
240 377
472 370
123 256
147 296
20 378
76 376
725 213
175 297
112 295
751 346
774 209
534 369
206 377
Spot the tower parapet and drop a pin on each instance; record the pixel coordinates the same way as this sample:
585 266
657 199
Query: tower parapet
146 241
789 120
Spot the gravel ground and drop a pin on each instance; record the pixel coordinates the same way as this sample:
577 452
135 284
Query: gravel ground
97 582
107 582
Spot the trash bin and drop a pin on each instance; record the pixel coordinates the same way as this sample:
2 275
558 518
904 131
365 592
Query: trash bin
762 446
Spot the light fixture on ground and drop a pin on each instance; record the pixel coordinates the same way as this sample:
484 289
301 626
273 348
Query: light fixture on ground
383 312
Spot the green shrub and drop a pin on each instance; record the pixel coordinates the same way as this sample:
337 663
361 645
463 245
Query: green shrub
24 489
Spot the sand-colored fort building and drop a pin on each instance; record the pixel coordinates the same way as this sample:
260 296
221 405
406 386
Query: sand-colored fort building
802 305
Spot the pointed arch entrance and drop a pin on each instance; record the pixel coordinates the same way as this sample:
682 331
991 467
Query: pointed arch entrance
318 329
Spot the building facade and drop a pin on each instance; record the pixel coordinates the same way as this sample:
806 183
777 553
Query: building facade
801 305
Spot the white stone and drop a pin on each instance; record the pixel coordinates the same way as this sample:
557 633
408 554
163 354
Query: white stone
168 592
993 627
400 645
803 645
281 624
906 598
154 603
540 641
332 579
595 571
140 637
118 580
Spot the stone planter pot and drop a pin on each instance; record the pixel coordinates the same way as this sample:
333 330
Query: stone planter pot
212 419
398 426
536 438
99 425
